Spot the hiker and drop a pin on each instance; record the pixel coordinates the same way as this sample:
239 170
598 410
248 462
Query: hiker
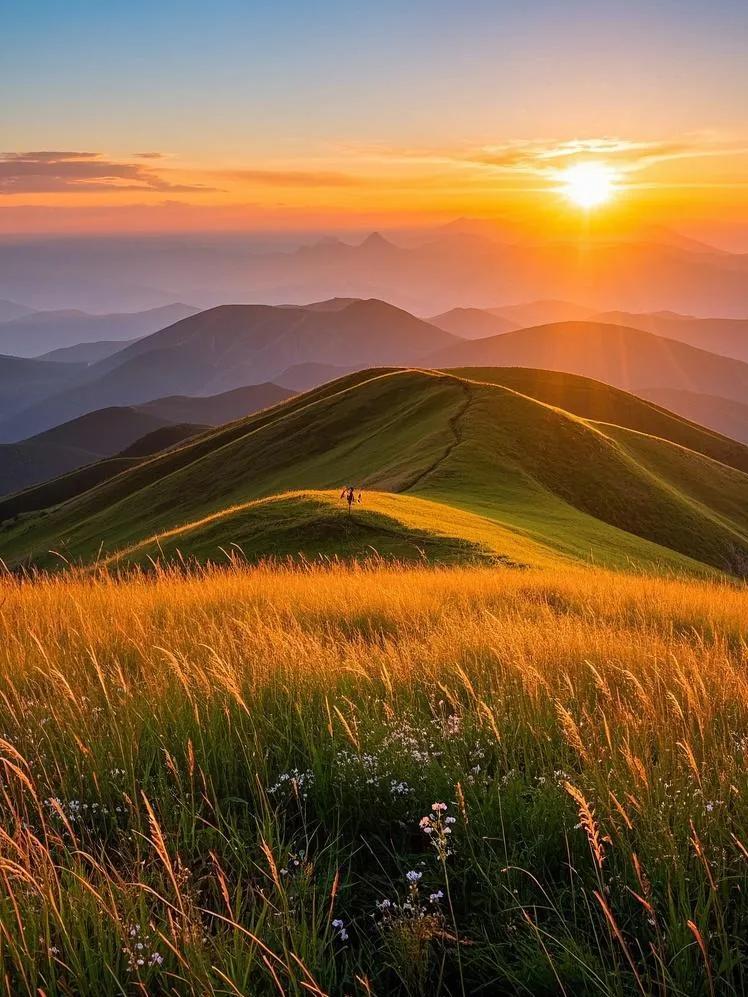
349 495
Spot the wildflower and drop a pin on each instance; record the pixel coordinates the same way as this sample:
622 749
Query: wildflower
439 828
339 926
413 876
434 898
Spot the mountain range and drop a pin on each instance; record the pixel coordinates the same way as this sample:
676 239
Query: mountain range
441 269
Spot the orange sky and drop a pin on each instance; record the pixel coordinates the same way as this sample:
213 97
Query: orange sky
337 117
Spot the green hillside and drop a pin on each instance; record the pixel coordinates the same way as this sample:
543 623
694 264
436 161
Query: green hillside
601 402
504 474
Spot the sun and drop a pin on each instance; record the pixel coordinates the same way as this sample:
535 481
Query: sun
588 185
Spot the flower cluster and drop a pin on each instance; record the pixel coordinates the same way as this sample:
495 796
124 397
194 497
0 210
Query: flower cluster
394 913
438 826
340 929
140 950
299 782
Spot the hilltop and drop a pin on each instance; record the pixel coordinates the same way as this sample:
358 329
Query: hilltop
540 483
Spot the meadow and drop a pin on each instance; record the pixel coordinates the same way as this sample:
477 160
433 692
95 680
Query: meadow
371 779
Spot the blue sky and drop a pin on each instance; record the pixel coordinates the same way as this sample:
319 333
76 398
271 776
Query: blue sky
244 76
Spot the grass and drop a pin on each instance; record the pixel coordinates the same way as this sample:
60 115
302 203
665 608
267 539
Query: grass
216 783
554 485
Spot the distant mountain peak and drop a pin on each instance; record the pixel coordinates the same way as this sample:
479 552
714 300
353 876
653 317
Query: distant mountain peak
376 241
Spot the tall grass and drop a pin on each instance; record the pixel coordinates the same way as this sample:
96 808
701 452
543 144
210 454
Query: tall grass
223 783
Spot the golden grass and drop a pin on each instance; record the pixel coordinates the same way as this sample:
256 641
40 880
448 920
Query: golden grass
629 694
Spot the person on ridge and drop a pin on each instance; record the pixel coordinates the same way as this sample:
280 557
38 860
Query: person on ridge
349 494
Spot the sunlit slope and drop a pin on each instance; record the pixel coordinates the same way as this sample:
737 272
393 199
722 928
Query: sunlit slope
559 485
591 399
311 524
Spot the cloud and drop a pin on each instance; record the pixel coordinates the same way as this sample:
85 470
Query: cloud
81 172
546 159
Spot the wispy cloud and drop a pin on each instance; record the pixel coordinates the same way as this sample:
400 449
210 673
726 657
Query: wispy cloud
547 159
82 172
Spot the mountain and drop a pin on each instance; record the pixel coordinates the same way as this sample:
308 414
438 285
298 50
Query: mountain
72 445
214 410
24 382
444 462
10 310
720 414
627 358
726 336
471 323
234 345
40 332
116 429
86 353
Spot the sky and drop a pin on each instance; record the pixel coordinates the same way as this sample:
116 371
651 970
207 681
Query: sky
337 116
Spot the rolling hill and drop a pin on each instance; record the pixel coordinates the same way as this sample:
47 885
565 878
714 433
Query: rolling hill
601 402
621 356
30 335
504 473
234 345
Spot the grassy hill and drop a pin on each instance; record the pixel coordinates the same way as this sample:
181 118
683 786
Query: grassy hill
538 483
627 358
600 402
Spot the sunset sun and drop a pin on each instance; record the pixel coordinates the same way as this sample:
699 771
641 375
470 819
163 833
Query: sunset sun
588 185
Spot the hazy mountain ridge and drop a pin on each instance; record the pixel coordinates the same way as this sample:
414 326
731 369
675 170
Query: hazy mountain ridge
435 272
40 332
